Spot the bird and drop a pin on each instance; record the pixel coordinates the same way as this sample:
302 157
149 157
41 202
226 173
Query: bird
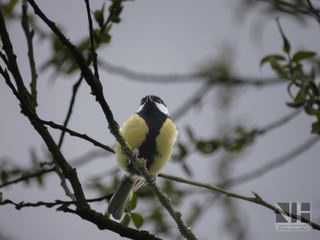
152 134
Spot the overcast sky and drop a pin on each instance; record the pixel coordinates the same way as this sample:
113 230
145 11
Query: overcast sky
165 37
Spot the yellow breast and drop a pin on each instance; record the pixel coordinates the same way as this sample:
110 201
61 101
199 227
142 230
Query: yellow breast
135 131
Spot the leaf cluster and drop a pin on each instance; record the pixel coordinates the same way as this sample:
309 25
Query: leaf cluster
10 171
63 60
302 86
235 142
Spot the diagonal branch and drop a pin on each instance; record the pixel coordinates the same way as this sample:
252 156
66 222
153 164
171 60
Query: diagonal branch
94 83
93 51
181 78
27 176
257 199
272 164
140 165
83 208
192 101
74 93
29 35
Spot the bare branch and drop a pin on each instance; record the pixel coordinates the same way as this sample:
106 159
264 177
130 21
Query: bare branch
50 204
192 101
74 93
29 35
83 208
27 176
271 164
174 78
140 165
93 51
93 82
257 199
279 122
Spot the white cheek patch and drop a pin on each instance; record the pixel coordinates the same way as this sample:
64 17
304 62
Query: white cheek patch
140 107
162 108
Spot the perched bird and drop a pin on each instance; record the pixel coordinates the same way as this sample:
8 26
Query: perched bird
150 131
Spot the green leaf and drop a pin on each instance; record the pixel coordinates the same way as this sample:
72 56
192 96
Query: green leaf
182 151
279 69
316 127
4 176
126 220
115 9
137 220
206 147
303 55
190 134
11 4
286 44
103 37
275 56
313 73
133 201
311 111
39 180
98 16
314 88
187 170
298 104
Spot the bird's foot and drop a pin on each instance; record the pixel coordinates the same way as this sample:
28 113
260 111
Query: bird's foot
152 180
133 157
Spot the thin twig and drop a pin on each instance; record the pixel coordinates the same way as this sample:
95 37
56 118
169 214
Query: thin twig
313 11
83 208
140 165
257 199
174 78
192 101
50 123
110 15
74 92
29 35
76 134
27 176
278 122
51 204
94 83
271 164
93 50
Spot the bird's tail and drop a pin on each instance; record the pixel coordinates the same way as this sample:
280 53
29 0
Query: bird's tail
119 199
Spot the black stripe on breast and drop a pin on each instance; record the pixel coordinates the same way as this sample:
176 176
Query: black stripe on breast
148 150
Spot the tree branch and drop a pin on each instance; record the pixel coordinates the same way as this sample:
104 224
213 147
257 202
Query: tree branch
66 121
93 51
29 35
140 165
27 176
191 101
174 78
257 199
271 164
50 204
83 208
93 82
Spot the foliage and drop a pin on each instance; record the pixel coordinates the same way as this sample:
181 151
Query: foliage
289 68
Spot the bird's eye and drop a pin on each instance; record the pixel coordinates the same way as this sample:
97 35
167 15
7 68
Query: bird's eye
143 100
157 99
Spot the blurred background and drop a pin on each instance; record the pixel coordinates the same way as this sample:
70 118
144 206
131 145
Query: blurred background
169 49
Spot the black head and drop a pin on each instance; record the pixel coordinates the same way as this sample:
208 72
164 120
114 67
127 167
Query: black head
152 104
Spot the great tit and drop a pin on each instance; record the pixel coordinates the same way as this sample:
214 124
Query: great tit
150 131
